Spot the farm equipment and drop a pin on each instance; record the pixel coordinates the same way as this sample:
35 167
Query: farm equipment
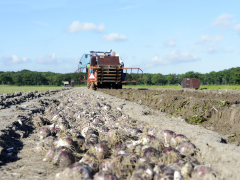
108 73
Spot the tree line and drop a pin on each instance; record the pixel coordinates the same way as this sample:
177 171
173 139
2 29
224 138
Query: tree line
25 77
226 77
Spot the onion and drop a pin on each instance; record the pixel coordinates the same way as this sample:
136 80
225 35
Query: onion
192 160
44 132
50 155
49 141
177 140
169 155
151 154
76 171
185 167
143 168
63 158
121 166
105 175
187 148
102 150
91 161
80 171
133 157
137 176
203 172
162 172
105 165
165 136
67 142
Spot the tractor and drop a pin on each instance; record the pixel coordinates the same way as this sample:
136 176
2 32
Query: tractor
108 73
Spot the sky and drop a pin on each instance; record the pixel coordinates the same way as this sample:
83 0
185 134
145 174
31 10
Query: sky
158 36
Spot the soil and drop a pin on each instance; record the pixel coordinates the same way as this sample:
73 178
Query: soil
216 110
18 131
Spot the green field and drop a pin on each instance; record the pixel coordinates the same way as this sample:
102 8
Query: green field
232 87
12 89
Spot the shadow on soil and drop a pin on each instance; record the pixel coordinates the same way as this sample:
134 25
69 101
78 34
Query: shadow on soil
10 140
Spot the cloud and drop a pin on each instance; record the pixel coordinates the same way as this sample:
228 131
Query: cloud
223 21
207 38
174 58
212 50
115 37
76 26
40 23
50 58
170 42
14 59
237 28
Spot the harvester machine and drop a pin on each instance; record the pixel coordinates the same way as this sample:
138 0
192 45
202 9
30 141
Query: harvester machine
108 73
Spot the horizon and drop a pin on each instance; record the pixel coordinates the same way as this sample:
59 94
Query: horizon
156 36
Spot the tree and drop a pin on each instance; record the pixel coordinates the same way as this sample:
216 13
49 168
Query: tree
17 79
180 78
146 79
37 78
236 76
157 79
3 78
27 77
169 79
58 78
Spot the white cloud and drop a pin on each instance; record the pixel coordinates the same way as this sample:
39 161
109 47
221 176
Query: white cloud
50 58
213 49
237 28
76 26
223 21
170 42
207 38
174 58
14 59
115 37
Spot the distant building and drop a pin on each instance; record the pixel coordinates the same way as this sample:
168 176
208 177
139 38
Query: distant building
65 83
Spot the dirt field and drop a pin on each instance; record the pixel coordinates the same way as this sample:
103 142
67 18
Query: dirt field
216 110
18 130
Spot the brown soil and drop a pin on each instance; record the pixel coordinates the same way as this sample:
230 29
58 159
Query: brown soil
216 110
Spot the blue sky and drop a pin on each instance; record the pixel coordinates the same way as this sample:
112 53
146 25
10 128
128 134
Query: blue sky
157 36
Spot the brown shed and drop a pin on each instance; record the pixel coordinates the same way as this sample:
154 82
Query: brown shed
191 83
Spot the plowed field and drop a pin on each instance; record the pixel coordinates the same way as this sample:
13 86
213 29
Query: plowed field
204 117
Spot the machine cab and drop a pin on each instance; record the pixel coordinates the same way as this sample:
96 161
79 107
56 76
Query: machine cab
85 60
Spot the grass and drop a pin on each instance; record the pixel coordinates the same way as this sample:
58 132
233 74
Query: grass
215 87
12 89
153 86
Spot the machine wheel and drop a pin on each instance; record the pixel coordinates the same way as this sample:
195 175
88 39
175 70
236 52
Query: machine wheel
93 87
119 86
